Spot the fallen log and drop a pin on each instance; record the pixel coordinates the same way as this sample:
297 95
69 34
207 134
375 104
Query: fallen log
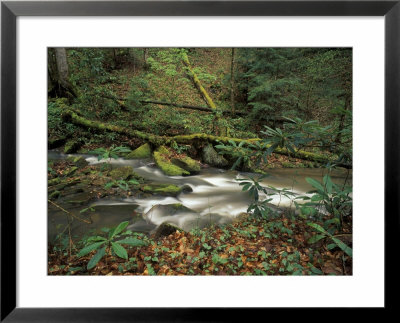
183 106
197 83
157 141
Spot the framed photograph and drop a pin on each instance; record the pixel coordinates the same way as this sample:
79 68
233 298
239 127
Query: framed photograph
186 160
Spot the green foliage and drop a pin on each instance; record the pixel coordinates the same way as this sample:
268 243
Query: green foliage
166 66
122 184
113 243
293 81
258 207
112 152
56 126
326 234
139 91
329 197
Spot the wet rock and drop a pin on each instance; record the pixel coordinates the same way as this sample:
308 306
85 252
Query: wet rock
164 230
80 199
142 226
211 157
160 210
186 189
165 189
144 151
78 161
125 173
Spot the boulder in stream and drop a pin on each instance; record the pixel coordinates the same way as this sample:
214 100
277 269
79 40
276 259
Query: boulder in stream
144 151
78 161
125 173
166 189
164 230
187 163
161 157
211 157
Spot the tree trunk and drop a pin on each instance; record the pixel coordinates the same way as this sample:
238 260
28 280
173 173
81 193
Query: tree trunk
58 73
62 66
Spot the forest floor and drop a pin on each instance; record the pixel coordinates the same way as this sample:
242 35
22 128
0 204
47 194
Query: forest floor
277 245
250 246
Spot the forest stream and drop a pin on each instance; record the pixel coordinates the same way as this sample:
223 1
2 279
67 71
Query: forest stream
214 197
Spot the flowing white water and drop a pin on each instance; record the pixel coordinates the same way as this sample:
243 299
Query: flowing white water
216 196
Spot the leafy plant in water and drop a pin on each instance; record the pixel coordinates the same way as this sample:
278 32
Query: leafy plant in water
112 152
111 243
252 185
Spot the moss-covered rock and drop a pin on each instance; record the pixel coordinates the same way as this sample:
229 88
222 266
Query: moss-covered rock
80 199
211 157
72 146
144 151
125 173
78 161
165 189
56 142
161 160
187 163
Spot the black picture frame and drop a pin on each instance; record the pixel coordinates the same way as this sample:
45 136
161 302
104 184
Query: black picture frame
10 10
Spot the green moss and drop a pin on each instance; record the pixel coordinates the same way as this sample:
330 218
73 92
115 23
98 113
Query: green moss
53 181
125 173
144 151
72 146
288 165
160 157
211 157
187 163
162 189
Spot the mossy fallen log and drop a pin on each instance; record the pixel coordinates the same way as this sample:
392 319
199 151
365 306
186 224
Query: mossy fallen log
157 141
197 83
